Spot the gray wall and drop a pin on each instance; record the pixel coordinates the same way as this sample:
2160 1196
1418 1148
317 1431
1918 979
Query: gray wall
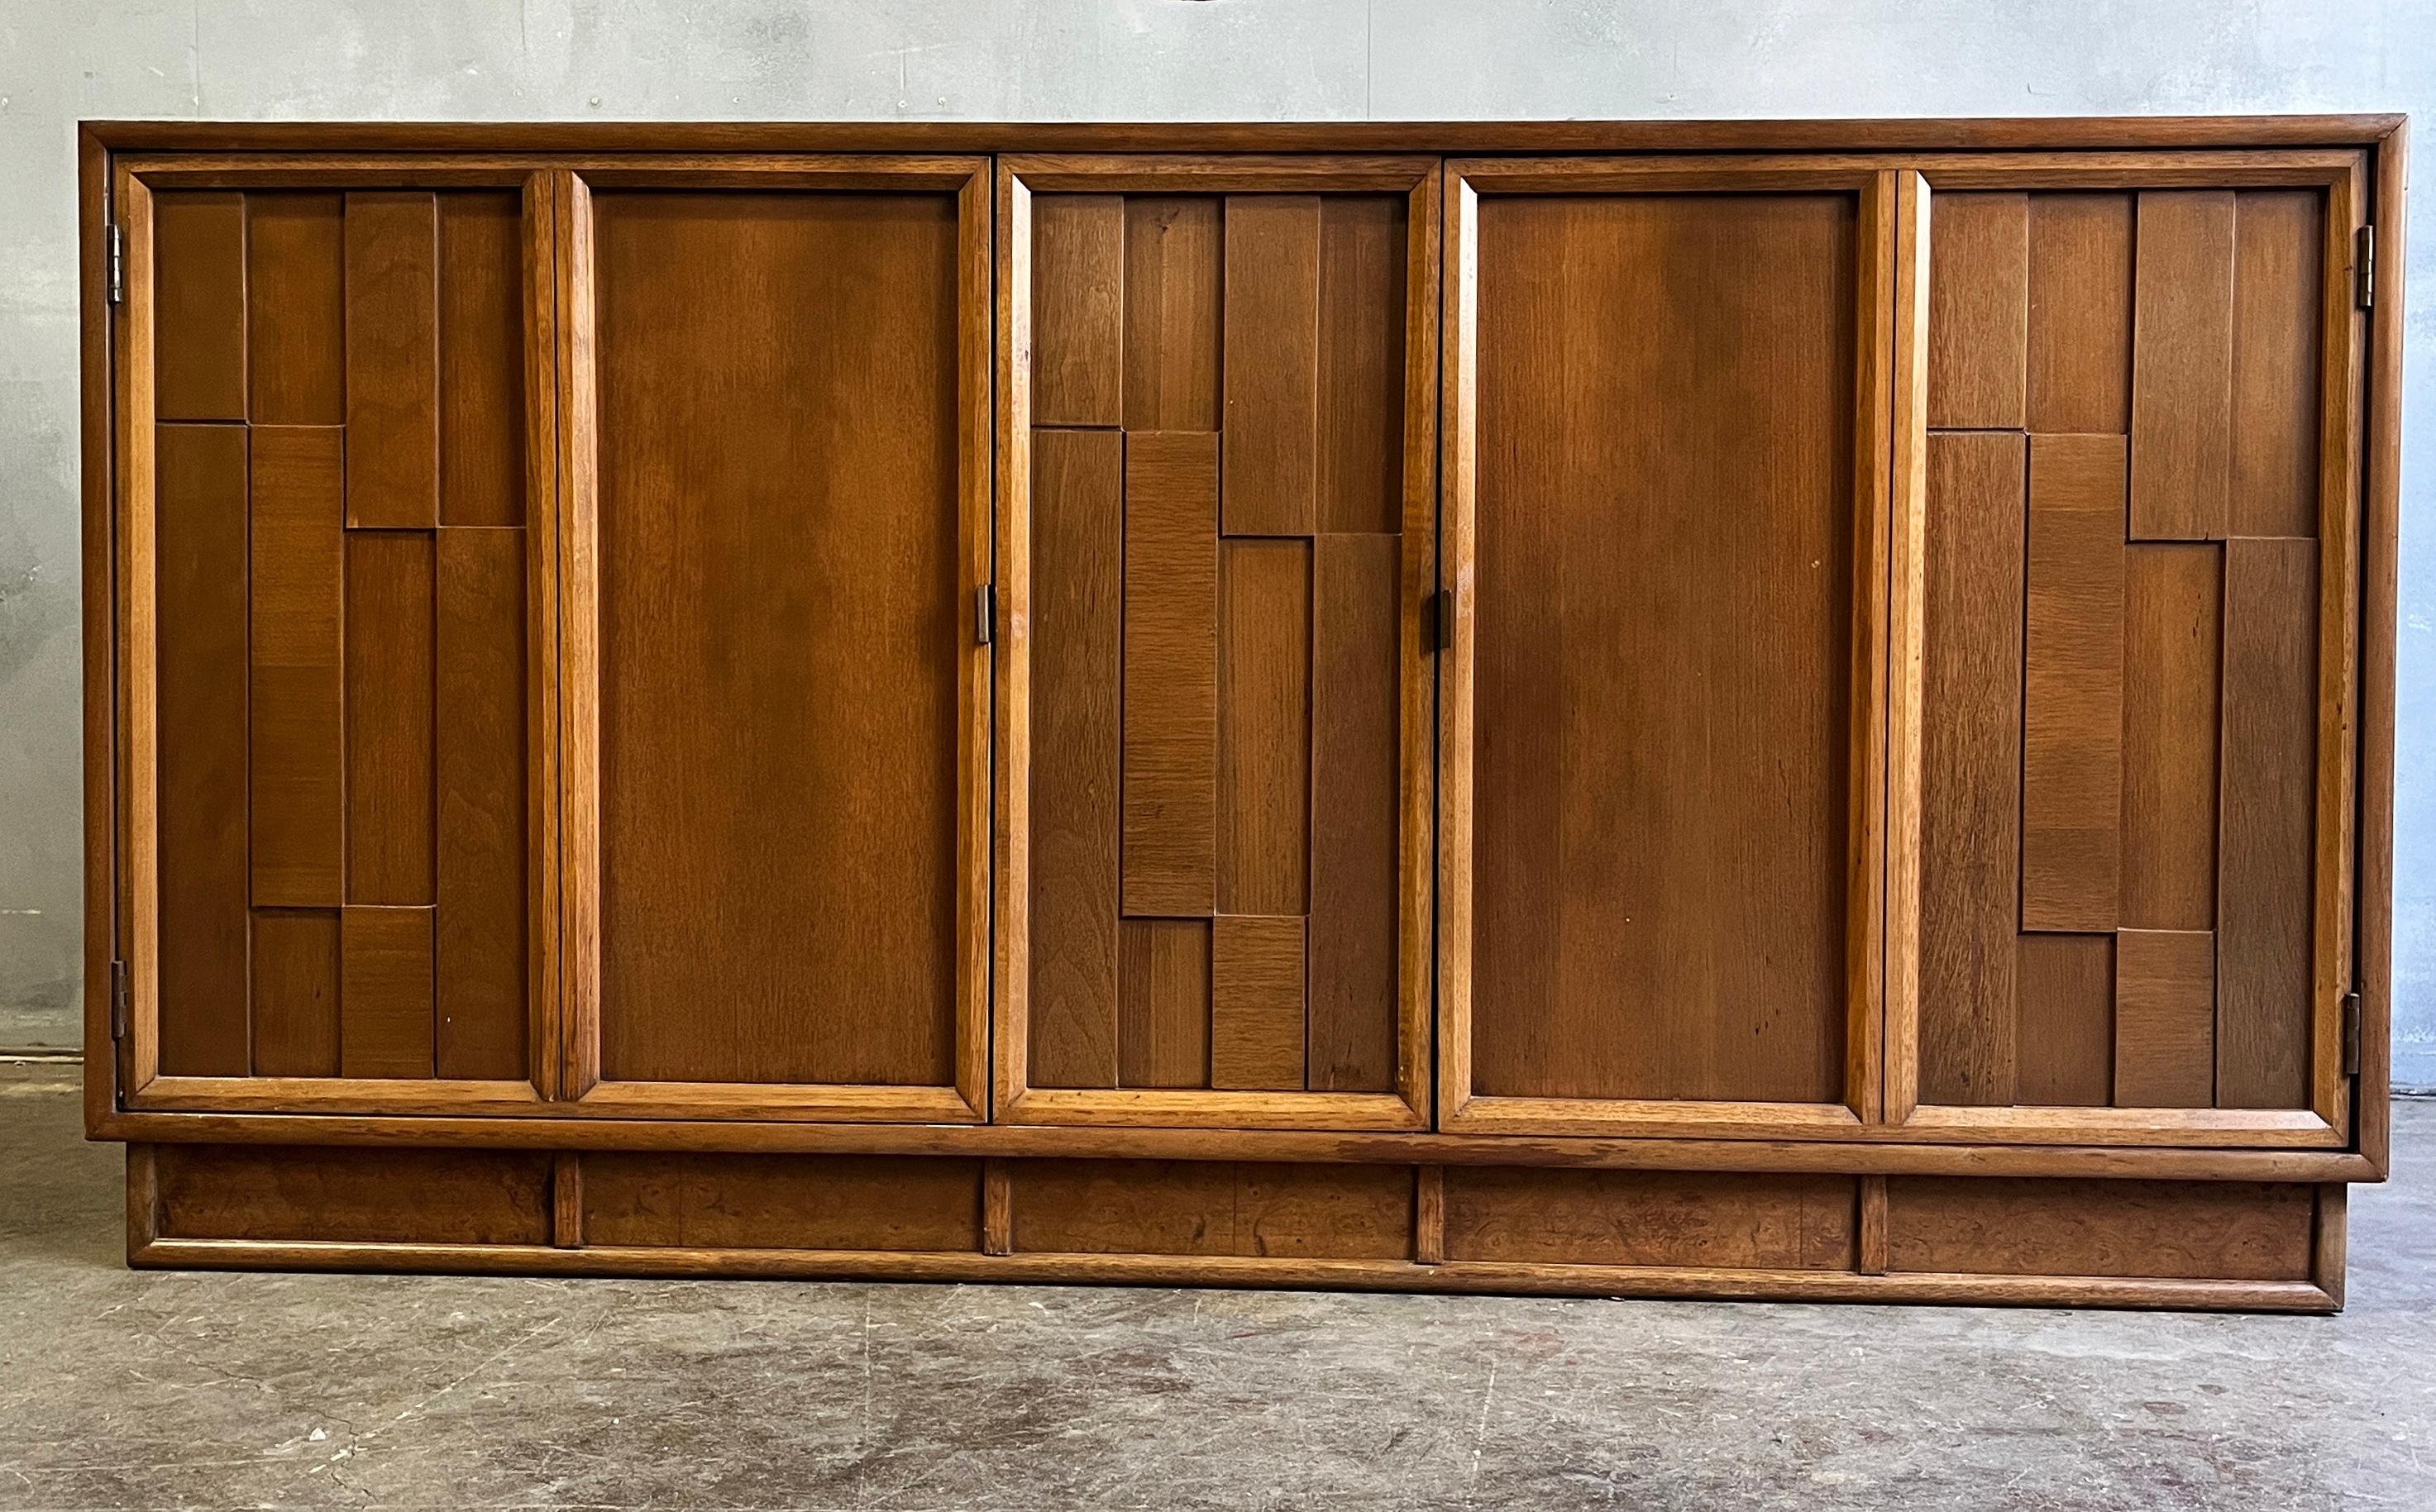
1311 59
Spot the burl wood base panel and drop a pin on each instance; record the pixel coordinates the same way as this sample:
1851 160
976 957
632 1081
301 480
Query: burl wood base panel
2225 1244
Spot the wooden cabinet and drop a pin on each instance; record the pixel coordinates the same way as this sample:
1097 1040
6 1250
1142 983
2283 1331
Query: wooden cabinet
1727 710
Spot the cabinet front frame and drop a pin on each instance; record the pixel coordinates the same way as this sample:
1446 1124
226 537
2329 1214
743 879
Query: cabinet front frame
1872 181
2327 1122
135 930
1019 177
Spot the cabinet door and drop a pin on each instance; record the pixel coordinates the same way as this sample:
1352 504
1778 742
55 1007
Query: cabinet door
323 548
1216 534
776 727
1666 402
2122 755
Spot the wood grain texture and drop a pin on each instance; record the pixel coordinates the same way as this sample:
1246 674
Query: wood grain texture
2278 240
2215 1231
199 672
1362 379
1971 761
1174 291
1211 1208
2172 630
2165 1011
199 306
392 359
481 357
401 1196
1170 673
2064 1020
1649 1218
2072 708
1264 726
1256 1004
1270 351
390 682
775 1202
385 992
1979 306
1355 770
296 307
783 612
1078 309
2182 374
1663 739
2080 313
1077 765
1164 1002
295 992
482 780
2265 892
299 580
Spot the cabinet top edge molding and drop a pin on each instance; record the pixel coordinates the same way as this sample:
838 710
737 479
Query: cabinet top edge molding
1785 135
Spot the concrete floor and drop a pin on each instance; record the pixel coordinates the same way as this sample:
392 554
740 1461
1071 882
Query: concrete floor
125 1390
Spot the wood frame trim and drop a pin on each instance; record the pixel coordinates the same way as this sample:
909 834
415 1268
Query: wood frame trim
2381 506
578 750
1513 1277
2327 1120
1874 183
1017 1099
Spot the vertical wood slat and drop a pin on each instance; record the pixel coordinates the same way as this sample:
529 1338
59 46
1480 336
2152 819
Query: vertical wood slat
198 304
1362 303
479 942
389 697
2064 1020
1078 309
2265 894
1270 434
2072 719
1164 993
2277 241
1256 1004
392 359
2171 622
1172 296
1355 771
295 992
199 672
1170 673
2182 376
385 992
1970 775
2080 313
2165 995
299 574
481 357
296 307
1977 309
1264 722
1077 754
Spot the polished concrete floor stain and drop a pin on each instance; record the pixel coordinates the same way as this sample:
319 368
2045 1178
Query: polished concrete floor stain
120 1390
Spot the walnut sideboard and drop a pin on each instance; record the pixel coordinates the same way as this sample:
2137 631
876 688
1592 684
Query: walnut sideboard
1791 709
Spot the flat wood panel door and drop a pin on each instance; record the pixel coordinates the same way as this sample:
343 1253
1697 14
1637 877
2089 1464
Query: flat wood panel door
777 746
1667 418
325 501
2130 581
1217 525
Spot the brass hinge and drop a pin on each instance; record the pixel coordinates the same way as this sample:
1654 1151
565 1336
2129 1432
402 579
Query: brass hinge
119 996
2350 1033
113 262
984 612
2364 267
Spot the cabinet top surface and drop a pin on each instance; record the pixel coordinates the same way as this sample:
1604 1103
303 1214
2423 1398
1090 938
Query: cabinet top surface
1919 134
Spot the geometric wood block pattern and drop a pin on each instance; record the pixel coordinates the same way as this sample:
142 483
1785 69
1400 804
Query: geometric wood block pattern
1216 500
341 645
2120 654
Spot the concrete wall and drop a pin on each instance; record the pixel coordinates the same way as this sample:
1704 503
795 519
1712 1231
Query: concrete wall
1313 60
